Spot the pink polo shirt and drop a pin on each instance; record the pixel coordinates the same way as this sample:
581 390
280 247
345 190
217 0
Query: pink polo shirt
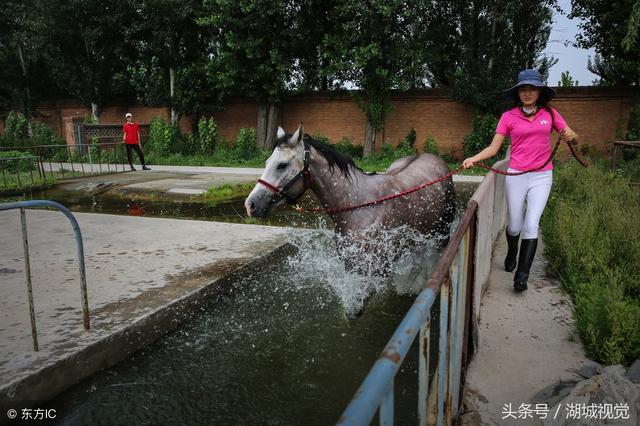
530 146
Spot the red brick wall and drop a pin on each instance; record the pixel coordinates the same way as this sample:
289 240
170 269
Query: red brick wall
595 113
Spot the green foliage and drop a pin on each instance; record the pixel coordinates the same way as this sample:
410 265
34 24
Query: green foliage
15 135
15 131
388 154
450 157
207 135
476 48
484 128
246 146
163 137
409 140
566 80
20 161
44 135
255 52
346 146
633 133
430 146
613 33
321 138
592 239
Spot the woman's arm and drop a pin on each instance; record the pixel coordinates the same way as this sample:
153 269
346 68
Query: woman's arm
568 135
488 152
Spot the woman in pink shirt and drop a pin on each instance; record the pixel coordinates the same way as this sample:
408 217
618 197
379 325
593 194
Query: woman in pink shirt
529 125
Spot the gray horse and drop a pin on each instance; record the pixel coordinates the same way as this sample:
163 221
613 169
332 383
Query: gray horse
298 162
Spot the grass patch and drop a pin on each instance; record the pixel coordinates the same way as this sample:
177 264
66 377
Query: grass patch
227 192
592 238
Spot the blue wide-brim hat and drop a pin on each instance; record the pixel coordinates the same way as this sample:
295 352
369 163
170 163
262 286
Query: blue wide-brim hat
531 78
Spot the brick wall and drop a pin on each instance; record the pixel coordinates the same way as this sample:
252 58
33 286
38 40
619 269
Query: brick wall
595 113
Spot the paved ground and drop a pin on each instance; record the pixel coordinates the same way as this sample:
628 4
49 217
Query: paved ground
134 266
528 341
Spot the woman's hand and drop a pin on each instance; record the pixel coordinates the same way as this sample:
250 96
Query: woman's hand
569 136
468 163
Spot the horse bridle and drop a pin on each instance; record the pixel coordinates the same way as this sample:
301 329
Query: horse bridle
304 174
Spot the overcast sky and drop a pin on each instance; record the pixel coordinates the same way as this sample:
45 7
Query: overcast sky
570 58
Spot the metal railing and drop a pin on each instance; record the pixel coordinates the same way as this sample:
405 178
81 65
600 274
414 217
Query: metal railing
452 279
61 161
22 205
12 168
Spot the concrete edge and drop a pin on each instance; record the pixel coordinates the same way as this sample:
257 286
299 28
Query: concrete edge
50 381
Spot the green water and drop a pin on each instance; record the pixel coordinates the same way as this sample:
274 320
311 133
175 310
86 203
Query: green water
272 352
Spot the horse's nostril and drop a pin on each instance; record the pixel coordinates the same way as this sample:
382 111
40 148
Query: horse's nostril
252 206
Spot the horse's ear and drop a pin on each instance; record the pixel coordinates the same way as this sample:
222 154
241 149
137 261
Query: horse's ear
297 136
281 133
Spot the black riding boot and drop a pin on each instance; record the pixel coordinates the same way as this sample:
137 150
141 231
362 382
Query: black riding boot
512 252
527 252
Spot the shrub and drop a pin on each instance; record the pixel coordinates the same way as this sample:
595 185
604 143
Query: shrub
15 129
431 146
484 128
207 135
633 133
409 140
321 138
246 146
163 137
25 162
592 238
346 146
44 135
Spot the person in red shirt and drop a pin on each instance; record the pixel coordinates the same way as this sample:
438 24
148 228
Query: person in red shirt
131 139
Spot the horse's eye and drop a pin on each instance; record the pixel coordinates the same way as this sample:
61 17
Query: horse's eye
282 166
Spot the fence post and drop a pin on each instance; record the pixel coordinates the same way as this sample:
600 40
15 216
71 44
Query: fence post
27 268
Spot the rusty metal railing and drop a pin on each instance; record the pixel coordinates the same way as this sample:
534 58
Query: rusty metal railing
22 205
452 279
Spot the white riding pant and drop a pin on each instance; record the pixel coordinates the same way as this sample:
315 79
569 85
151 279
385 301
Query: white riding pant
532 188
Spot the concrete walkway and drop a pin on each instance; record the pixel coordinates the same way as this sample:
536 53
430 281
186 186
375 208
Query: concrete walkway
136 268
528 341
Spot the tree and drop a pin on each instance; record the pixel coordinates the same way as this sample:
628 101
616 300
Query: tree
310 67
372 47
21 60
168 67
86 47
487 43
566 80
613 33
254 54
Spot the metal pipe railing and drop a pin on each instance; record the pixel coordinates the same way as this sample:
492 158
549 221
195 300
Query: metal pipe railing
452 279
22 205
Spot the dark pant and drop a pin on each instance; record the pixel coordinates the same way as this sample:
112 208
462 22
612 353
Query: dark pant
137 148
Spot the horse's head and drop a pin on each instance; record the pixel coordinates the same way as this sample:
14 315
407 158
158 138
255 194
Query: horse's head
285 177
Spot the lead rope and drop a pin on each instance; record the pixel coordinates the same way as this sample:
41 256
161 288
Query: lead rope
424 185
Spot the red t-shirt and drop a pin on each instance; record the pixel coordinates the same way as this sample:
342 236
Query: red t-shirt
131 133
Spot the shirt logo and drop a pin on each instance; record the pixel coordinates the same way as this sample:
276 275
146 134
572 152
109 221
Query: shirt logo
544 122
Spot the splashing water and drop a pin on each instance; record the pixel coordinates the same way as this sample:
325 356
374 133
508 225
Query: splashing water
401 258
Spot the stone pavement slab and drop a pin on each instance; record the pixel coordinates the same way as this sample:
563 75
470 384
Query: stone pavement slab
135 267
528 341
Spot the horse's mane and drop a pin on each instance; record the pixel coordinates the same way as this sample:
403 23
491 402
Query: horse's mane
330 153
